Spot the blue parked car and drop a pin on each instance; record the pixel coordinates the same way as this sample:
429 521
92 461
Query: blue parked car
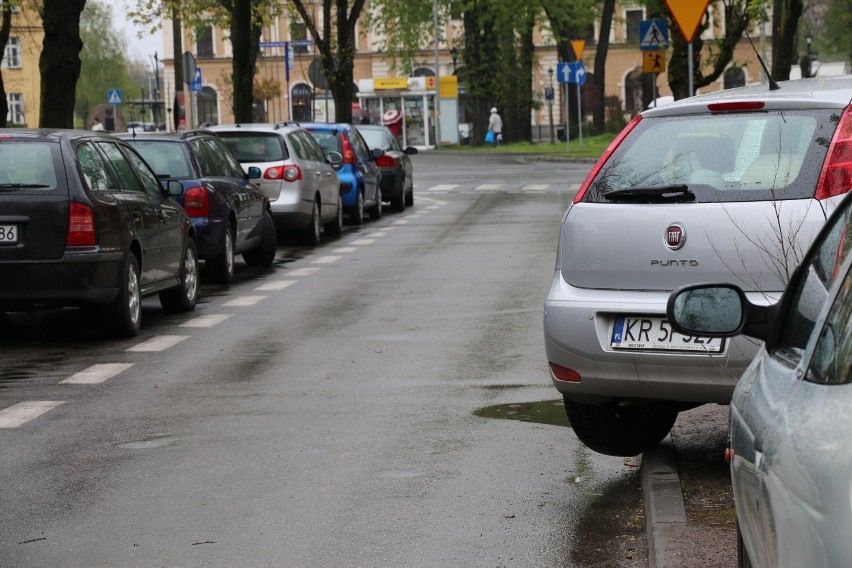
360 178
231 215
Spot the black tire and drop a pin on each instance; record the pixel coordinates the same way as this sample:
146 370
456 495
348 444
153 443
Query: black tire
376 211
336 227
398 201
409 198
221 267
617 430
311 235
264 253
184 296
356 214
123 316
743 560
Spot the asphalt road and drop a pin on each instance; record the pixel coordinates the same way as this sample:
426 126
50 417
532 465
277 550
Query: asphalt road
379 400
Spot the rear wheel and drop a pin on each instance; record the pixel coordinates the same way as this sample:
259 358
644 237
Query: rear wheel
356 215
398 201
222 266
264 253
311 236
617 430
184 296
336 226
743 561
409 198
376 212
122 317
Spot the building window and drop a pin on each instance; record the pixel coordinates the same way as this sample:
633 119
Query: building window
16 108
631 21
303 103
12 55
422 72
208 106
299 33
204 42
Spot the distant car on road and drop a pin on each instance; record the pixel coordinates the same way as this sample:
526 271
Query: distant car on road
789 424
231 215
85 222
397 174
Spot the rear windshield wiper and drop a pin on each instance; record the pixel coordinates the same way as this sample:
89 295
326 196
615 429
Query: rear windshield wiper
652 194
11 186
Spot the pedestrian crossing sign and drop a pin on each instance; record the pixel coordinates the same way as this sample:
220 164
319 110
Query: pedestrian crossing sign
114 96
653 35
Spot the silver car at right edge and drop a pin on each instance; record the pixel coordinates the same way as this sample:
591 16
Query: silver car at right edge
731 186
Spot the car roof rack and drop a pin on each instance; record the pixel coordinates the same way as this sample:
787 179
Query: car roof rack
196 132
284 123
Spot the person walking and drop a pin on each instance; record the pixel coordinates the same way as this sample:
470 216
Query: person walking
97 126
495 125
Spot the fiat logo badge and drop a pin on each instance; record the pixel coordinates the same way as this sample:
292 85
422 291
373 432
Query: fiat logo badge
675 237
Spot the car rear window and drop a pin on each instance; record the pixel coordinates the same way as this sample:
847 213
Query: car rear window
167 159
723 157
255 146
373 138
327 140
28 166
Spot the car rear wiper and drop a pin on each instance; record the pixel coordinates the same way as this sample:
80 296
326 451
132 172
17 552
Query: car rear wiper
11 186
652 194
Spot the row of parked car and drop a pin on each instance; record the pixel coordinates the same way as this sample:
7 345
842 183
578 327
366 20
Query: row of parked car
731 189
102 221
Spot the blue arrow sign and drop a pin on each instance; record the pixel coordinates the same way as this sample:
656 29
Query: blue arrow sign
653 35
574 72
114 96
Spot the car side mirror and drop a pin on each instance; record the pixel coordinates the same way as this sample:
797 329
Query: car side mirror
174 188
411 150
334 158
719 310
254 173
376 153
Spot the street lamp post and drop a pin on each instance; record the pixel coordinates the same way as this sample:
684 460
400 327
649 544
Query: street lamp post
454 53
154 114
549 98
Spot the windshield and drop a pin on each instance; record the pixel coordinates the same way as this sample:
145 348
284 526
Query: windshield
28 165
373 138
166 158
251 147
723 157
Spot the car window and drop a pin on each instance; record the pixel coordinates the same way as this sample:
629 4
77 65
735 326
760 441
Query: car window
165 158
359 145
254 146
817 273
312 149
127 179
149 180
296 143
231 160
95 172
326 140
832 360
220 164
373 138
394 143
205 162
724 157
28 163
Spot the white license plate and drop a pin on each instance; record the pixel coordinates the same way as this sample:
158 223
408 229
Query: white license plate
8 234
650 333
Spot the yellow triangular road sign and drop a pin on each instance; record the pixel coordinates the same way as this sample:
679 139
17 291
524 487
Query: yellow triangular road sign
687 14
578 45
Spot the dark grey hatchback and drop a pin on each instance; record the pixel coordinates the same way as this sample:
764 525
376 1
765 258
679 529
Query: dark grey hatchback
84 222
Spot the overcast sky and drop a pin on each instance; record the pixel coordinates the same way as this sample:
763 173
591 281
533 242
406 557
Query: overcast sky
137 48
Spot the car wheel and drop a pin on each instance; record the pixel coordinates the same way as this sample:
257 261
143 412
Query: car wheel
222 266
311 234
743 561
336 226
264 253
376 211
398 201
184 296
409 197
122 317
617 430
356 215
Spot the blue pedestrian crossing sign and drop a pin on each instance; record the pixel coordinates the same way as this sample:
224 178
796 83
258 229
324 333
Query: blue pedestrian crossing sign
573 72
196 81
653 35
114 96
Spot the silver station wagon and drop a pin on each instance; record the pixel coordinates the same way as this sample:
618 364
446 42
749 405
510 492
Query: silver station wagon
729 187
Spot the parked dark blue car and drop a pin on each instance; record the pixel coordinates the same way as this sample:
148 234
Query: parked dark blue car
359 174
231 215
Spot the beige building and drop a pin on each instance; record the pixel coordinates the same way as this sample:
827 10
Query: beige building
21 76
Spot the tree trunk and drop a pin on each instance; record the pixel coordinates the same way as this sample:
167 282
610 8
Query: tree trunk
785 22
245 39
599 115
5 29
59 63
479 46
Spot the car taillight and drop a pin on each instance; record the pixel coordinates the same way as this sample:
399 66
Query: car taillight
195 202
287 173
836 175
605 156
348 154
736 106
81 226
385 161
565 374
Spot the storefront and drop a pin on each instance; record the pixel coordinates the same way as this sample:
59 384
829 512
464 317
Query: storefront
407 106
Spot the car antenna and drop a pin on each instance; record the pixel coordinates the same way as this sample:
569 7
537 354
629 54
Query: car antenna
773 86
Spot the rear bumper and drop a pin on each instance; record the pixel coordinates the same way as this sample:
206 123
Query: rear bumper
577 330
350 185
75 278
210 236
390 184
291 204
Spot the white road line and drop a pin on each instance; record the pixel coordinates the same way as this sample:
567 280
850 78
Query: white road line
341 250
433 207
303 271
535 187
159 343
364 242
206 321
244 301
443 187
400 222
488 186
276 285
574 187
25 411
328 259
377 234
96 374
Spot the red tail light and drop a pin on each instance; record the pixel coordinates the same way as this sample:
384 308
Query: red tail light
196 202
736 106
287 173
605 156
348 154
564 374
836 175
81 226
385 161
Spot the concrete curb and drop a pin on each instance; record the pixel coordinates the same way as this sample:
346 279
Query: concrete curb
665 513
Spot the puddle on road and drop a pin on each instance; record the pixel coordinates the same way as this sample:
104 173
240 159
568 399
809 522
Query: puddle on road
550 412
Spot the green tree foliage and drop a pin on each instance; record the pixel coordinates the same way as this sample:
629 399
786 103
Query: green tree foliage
834 39
406 26
103 62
